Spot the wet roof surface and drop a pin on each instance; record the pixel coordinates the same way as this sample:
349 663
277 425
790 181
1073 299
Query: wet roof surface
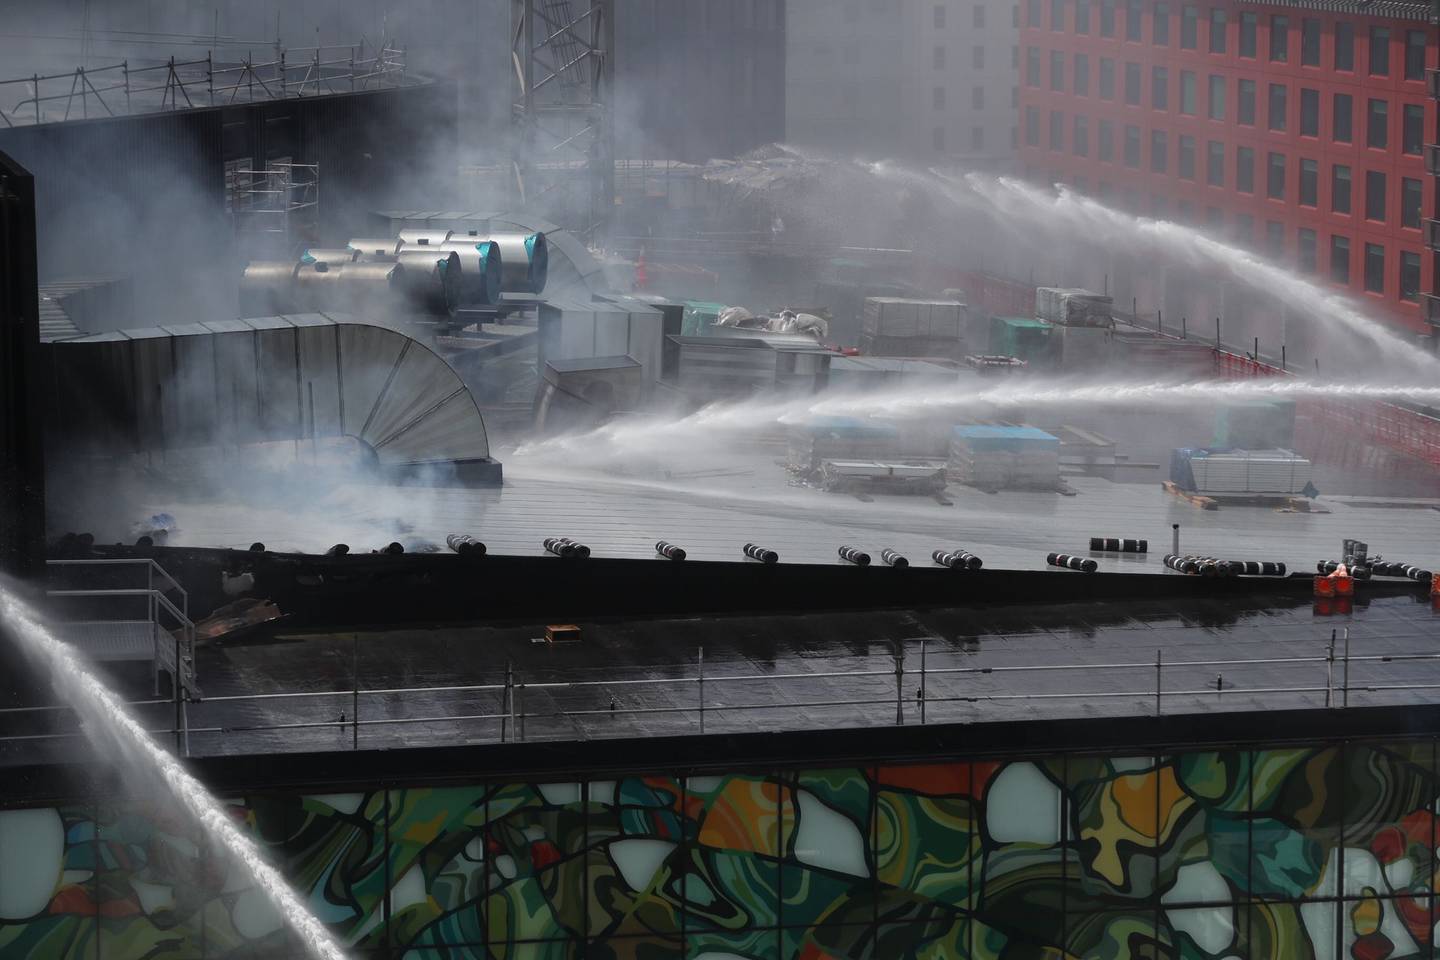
812 671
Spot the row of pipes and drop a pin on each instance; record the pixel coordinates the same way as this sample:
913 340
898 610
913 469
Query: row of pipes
429 272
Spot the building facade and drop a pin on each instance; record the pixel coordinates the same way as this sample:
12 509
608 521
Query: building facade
924 81
1296 129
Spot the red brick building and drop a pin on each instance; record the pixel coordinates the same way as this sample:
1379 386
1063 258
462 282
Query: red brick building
1299 129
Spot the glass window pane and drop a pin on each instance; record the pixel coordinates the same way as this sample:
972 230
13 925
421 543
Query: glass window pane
1377 124
1375 195
1187 157
1309 182
1057 130
1310 42
1409 276
1413 134
1411 191
1132 84
1275 177
1278 106
1187 92
1248 29
1132 19
1305 250
1340 259
1159 88
1082 16
746 822
1132 146
1217 97
1189 27
1104 130
1057 15
1309 113
1107 78
1340 188
1414 54
1245 169
1215 163
1341 125
1082 74
1379 51
1279 38
1217 30
1080 142
1160 33
1374 268
1057 70
1344 45
1246 107
1107 18
1157 151
1032 126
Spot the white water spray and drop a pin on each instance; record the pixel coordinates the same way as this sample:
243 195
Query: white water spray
662 438
854 198
104 716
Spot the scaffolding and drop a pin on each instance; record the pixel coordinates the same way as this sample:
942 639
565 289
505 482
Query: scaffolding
276 208
124 88
563 163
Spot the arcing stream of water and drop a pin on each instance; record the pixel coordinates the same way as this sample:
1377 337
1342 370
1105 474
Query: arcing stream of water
855 197
658 437
108 723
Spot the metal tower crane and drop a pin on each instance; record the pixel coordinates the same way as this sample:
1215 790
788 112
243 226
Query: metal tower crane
562 109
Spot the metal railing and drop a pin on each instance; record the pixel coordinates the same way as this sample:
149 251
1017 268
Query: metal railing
172 650
912 683
122 89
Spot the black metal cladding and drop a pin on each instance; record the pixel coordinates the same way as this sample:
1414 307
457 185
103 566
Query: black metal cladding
97 175
22 472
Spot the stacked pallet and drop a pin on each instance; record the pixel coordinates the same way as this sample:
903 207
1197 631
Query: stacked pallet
1005 457
899 327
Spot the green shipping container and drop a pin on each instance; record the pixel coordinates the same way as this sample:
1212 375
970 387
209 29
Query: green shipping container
1022 337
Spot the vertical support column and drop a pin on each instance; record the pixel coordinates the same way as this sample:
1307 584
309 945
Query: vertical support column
22 414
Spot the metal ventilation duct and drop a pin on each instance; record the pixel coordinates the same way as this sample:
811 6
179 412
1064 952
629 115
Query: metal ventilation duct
262 380
432 278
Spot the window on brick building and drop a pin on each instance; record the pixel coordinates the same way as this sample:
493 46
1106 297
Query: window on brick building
1310 42
1340 188
1214 219
1244 229
1032 126
1279 38
1344 45
1342 121
1245 169
1032 66
1080 139
1032 13
977 138
1105 137
1187 92
1107 78
1217 30
1057 15
1274 238
1305 250
1158 149
1412 135
939 16
1309 113
1374 268
1275 177
1082 75
1160 26
1375 195
1377 124
1132 146
1340 259
1409 276
1057 130
1279 101
1248 29
937 98
1309 183
1057 70
1132 84
1379 51
1186 160
977 57
1215 163
1414 54
1189 27
1082 16
977 98
1411 193
977 17
1132 20
937 139
1245 102
1159 88
1107 18
1216 106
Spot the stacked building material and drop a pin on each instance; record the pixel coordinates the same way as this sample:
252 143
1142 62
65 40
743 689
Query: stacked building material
1074 307
1240 472
842 439
899 327
996 457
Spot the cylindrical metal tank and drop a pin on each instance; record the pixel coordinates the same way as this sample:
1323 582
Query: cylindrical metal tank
524 259
432 279
430 238
267 288
358 287
481 268
334 257
376 246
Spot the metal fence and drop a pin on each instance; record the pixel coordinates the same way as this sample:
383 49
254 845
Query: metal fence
920 682
124 89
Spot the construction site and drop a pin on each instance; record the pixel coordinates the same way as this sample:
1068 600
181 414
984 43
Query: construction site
508 513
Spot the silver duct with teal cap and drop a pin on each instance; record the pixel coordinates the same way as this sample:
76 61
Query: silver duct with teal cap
481 266
433 278
524 258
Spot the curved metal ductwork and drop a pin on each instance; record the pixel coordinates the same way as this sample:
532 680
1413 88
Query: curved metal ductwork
263 380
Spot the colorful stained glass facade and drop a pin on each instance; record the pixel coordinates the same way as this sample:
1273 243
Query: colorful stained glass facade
1294 853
